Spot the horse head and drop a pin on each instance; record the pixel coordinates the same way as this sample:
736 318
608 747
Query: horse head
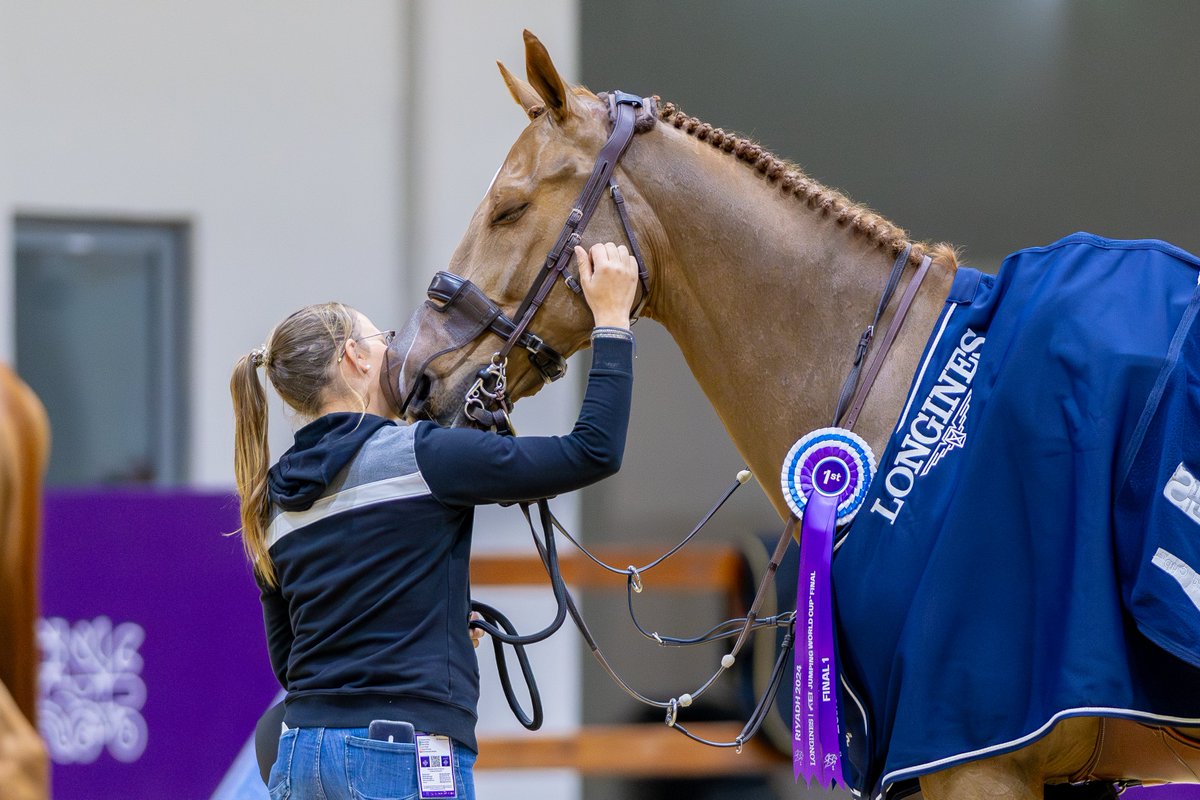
450 341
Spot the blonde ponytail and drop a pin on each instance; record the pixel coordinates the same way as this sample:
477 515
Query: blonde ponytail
300 359
251 458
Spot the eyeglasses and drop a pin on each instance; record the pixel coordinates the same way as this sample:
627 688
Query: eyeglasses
388 337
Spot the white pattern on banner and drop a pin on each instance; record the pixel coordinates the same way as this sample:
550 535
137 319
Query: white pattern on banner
1181 571
91 691
1183 490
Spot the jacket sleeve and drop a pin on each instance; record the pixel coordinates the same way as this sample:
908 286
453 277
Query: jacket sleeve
464 466
279 631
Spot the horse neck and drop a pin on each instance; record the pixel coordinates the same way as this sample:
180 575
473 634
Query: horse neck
767 299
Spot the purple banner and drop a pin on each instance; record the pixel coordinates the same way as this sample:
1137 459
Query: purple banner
816 749
154 663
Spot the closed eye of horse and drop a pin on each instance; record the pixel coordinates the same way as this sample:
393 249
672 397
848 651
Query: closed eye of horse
510 214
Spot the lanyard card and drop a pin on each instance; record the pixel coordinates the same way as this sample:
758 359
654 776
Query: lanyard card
435 766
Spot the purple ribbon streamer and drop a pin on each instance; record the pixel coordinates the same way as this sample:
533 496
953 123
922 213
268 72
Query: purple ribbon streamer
816 749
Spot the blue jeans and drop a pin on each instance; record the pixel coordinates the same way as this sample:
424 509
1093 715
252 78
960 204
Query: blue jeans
343 764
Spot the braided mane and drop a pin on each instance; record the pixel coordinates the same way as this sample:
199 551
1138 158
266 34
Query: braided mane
827 202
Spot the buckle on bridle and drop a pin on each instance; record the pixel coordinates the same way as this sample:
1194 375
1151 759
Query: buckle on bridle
619 98
533 343
863 344
551 367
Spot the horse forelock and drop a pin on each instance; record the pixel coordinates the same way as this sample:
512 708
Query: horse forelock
792 181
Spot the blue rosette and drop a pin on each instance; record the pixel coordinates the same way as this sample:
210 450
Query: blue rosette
833 462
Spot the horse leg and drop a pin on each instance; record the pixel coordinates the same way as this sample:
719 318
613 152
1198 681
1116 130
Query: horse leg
989 779
984 780
1132 751
1021 774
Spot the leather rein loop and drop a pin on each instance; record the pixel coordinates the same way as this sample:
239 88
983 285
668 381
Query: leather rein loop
876 363
741 628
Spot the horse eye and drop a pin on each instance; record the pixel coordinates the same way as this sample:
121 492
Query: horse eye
511 214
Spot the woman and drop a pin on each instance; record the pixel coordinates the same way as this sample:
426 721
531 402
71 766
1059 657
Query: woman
360 537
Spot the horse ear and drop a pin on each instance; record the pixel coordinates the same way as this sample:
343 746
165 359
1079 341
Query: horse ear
522 92
546 80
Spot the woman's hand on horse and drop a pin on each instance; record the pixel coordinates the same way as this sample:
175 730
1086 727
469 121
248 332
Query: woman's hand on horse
609 275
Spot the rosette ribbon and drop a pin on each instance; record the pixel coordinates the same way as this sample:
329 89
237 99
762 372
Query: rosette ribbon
825 480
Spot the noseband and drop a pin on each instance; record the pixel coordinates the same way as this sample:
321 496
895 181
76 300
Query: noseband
486 401
448 290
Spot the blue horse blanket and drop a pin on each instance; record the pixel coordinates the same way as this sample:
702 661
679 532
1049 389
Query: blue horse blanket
1030 548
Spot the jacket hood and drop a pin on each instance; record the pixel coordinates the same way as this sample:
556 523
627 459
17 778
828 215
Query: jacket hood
322 449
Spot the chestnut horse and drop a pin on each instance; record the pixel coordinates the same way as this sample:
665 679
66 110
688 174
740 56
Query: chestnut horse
736 242
24 446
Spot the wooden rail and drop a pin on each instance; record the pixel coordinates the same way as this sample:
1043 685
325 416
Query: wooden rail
638 750
694 569
641 749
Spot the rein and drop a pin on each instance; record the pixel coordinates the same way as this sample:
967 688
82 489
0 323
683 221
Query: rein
738 628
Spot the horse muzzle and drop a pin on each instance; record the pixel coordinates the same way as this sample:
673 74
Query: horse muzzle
408 382
404 382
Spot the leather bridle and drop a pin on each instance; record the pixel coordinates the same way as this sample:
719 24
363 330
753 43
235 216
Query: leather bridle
487 402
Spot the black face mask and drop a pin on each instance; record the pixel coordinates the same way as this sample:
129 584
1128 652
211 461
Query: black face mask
463 314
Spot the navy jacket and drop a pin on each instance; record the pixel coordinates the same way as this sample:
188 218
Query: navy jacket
370 536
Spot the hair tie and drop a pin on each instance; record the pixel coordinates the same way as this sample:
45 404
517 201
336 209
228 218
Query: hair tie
258 356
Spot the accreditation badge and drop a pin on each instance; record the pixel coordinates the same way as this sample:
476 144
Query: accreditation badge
435 766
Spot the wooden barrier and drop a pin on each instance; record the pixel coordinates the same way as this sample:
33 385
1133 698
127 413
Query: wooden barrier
694 569
657 751
640 750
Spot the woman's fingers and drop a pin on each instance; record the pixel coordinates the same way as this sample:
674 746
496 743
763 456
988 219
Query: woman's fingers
585 265
476 633
609 277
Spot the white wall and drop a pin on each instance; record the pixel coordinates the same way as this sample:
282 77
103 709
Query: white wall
272 127
318 150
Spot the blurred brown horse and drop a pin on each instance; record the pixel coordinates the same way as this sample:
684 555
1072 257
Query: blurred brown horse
756 270
24 447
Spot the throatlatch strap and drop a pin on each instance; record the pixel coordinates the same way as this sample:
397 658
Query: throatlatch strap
643 273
